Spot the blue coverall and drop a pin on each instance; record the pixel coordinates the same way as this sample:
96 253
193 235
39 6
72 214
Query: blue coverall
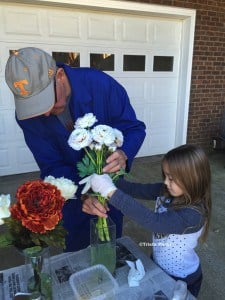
91 91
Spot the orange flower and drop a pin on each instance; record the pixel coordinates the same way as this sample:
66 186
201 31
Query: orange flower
38 207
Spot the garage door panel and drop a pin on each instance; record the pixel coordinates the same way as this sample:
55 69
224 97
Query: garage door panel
3 128
160 128
64 25
28 22
152 90
143 114
7 130
163 90
161 141
8 163
15 156
1 59
140 112
24 156
96 24
4 159
10 131
6 97
163 117
165 32
148 149
135 30
135 91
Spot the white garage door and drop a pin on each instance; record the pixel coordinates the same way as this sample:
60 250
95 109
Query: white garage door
145 59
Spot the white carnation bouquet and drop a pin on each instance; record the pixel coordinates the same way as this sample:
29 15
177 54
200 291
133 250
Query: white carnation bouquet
98 142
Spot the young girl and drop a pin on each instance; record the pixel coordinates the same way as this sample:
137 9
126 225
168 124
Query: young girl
182 210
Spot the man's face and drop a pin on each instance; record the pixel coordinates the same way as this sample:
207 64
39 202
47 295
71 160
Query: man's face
62 91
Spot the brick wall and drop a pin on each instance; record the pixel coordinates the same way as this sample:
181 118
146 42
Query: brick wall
207 100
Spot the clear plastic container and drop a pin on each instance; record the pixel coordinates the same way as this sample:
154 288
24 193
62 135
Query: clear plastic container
95 283
180 290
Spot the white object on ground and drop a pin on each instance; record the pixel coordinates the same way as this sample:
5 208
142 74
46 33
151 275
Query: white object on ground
136 273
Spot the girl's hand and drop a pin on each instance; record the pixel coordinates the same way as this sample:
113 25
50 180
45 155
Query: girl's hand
101 184
92 206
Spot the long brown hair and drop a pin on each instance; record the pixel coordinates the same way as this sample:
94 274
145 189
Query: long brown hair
190 170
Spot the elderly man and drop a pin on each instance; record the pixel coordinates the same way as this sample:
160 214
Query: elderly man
48 99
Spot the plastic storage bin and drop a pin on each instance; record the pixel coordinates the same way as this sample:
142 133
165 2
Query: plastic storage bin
93 283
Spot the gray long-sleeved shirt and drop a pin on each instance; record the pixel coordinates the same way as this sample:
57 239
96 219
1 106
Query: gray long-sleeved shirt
175 232
183 220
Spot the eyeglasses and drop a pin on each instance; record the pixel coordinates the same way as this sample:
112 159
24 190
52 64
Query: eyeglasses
55 91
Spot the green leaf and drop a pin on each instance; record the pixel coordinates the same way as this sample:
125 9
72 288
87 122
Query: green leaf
85 167
121 172
6 240
32 250
55 237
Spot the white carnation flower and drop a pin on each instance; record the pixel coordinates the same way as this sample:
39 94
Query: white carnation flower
103 134
66 186
112 148
98 147
118 137
79 138
92 145
86 121
4 207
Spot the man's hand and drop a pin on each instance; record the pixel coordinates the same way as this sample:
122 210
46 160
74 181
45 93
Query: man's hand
115 162
92 206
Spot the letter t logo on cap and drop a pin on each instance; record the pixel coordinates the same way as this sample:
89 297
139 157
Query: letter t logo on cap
20 85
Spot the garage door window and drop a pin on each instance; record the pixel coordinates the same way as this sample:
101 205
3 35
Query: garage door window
163 64
134 62
103 61
69 58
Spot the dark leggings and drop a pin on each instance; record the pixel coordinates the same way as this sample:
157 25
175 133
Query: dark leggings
193 281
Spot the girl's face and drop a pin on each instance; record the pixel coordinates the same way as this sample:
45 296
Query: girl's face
172 187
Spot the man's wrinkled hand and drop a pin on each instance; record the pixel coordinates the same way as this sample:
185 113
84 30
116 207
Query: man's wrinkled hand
92 206
115 162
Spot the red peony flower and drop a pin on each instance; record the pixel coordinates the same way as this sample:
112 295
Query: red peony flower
39 206
36 217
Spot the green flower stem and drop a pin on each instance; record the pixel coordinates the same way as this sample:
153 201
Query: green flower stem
89 155
105 229
99 163
100 229
37 278
102 226
115 176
